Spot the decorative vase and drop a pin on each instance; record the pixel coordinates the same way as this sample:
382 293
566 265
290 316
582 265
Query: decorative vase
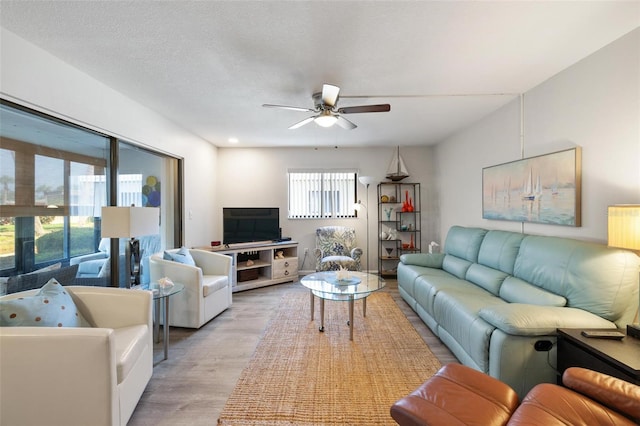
411 244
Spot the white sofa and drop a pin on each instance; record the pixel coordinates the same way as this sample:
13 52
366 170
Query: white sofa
79 376
207 290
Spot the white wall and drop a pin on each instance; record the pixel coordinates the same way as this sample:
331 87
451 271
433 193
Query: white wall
32 77
258 178
595 104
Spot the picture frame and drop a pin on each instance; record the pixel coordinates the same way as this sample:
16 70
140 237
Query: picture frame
543 189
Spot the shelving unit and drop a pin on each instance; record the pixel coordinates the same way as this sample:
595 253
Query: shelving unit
399 224
255 265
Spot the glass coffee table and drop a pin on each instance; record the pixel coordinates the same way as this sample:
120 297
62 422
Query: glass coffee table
326 286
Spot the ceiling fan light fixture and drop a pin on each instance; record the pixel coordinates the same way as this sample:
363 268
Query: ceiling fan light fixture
326 119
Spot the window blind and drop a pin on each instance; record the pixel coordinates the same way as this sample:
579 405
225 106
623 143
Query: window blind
321 194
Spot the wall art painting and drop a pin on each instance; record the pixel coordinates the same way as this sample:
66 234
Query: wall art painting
543 189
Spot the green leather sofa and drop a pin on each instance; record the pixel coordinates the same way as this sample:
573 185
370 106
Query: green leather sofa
496 298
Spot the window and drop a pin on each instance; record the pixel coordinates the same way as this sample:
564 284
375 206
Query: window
54 179
315 194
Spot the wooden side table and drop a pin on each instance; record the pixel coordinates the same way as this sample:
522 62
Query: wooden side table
618 358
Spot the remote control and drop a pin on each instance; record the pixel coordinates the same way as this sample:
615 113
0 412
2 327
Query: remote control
600 334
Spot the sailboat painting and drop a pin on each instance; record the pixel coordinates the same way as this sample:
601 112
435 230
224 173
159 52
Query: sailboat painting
543 189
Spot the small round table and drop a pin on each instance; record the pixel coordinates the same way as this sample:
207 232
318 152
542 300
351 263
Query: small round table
326 286
159 294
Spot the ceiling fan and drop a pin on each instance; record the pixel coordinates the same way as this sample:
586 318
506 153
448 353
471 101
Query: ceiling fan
327 112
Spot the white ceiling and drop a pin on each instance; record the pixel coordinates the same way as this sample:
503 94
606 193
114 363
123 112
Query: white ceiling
210 65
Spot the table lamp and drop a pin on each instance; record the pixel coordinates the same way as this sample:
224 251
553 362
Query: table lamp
624 232
130 222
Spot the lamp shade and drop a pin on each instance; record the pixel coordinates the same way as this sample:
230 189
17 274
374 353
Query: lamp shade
367 180
129 222
624 226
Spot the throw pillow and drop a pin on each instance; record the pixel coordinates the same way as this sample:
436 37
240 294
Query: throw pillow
52 306
181 256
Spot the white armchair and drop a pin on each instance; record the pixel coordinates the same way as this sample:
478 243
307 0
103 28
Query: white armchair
79 376
207 286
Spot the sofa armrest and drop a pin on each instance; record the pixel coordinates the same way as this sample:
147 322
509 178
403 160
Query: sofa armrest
521 319
87 257
211 263
457 395
178 272
356 253
429 260
109 307
615 393
55 367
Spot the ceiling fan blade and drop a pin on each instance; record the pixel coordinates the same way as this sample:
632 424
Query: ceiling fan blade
302 123
344 123
289 107
330 94
365 108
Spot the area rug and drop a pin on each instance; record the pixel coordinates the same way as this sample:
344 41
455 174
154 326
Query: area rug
299 376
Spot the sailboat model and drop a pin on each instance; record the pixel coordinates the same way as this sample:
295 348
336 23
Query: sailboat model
397 169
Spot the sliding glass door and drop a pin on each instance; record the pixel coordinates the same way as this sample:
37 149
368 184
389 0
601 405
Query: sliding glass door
55 177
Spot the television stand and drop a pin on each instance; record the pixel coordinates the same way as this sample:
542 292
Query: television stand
255 264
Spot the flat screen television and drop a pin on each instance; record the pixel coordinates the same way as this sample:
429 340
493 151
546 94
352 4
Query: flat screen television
249 224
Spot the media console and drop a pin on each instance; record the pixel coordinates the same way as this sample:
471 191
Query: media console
255 265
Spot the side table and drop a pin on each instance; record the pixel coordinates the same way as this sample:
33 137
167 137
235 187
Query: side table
618 358
159 294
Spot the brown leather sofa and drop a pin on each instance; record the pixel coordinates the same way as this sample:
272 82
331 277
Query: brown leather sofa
460 395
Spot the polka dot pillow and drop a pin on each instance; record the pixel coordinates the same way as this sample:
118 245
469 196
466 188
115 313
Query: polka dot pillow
52 306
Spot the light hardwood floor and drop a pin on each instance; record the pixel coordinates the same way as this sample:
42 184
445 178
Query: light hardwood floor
192 386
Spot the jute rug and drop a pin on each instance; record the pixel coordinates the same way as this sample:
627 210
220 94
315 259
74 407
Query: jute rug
299 376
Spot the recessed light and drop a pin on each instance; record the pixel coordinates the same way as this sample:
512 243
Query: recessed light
233 140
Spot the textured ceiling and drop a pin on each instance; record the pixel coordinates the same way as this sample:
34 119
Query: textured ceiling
210 65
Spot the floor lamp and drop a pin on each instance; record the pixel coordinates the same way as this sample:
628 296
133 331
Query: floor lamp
129 222
624 232
367 180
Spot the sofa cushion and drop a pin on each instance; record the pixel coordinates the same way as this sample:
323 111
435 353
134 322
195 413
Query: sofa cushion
52 306
488 278
37 279
408 276
456 266
213 283
428 286
180 256
582 272
337 261
464 242
515 290
499 250
520 319
130 342
457 313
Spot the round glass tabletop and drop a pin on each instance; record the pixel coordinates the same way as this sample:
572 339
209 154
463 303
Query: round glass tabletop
357 286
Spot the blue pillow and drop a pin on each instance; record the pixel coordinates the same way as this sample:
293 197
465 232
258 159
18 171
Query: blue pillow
52 306
181 256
